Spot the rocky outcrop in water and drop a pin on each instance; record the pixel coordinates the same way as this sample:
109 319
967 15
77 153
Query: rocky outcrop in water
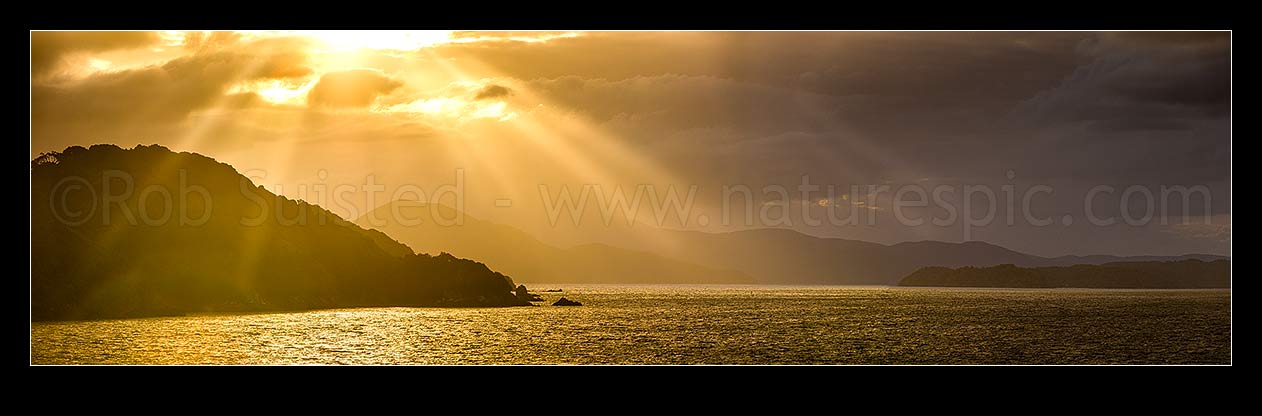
566 302
525 295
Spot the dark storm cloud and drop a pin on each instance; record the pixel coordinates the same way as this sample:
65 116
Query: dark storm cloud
1168 38
934 104
48 48
1126 79
353 88
922 64
918 94
492 91
1075 109
1139 108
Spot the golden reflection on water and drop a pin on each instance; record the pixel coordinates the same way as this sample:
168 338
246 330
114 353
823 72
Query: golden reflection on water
688 324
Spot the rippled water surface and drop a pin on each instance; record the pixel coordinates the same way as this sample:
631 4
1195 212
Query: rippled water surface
689 324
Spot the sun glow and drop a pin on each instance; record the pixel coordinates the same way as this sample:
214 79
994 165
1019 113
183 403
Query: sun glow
455 108
337 40
527 38
99 64
280 94
275 91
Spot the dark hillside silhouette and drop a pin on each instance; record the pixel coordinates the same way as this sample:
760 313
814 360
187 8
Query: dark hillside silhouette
94 258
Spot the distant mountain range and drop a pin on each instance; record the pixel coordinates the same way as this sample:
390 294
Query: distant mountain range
783 256
1183 274
765 256
164 248
517 253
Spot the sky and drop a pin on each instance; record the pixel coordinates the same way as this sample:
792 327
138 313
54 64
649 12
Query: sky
512 118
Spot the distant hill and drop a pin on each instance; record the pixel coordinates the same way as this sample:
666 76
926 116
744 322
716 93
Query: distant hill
767 256
783 256
1101 259
1185 274
89 259
512 251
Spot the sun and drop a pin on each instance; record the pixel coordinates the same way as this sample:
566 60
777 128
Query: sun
345 40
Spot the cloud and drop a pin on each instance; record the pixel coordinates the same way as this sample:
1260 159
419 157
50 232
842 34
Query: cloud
283 65
1139 108
1140 77
1071 109
950 104
1214 231
132 104
164 92
353 88
196 41
49 48
492 91
1169 38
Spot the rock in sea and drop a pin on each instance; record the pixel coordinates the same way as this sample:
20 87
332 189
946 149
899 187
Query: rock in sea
566 302
525 296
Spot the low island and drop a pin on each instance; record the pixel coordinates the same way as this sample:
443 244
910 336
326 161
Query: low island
1185 274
